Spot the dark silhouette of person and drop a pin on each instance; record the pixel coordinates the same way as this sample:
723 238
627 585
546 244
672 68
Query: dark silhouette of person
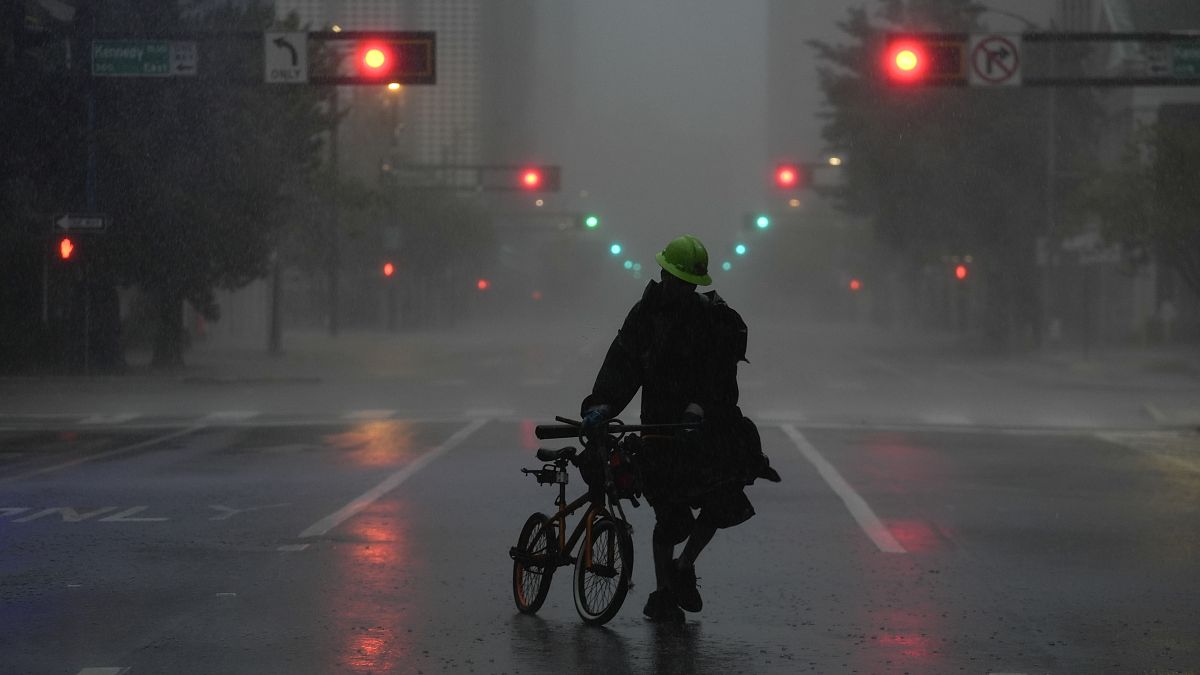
682 349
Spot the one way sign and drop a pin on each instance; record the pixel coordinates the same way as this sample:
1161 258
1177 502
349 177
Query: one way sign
286 57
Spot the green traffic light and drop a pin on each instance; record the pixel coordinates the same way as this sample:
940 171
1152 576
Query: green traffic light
615 249
763 222
628 264
591 221
740 249
726 266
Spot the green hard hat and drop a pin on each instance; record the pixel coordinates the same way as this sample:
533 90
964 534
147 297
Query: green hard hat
685 257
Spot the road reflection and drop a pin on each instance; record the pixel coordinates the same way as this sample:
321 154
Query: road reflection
376 443
634 646
906 631
371 566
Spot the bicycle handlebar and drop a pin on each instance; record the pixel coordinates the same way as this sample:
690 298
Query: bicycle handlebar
571 428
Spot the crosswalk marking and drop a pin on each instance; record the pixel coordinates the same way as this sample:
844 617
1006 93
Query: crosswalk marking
369 414
780 415
539 382
450 382
946 419
232 415
119 418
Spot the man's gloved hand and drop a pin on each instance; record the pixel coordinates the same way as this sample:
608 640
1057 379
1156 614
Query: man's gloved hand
693 414
594 417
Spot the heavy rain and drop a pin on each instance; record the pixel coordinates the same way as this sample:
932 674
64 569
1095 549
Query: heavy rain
553 336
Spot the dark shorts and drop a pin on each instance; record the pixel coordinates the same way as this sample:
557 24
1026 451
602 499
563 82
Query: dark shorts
720 509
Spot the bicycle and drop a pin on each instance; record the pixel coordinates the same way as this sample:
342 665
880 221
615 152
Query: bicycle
604 566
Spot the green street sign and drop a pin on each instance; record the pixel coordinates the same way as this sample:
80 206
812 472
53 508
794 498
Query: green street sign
1185 60
143 58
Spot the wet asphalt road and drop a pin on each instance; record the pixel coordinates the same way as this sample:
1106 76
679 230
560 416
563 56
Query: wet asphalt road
380 545
348 508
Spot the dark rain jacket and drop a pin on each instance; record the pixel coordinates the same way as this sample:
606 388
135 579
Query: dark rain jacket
677 354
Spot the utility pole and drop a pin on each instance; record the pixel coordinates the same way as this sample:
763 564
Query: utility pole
333 259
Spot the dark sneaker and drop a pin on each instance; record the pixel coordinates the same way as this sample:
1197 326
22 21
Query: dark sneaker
660 606
687 592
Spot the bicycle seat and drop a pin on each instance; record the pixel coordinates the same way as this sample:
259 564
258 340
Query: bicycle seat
548 455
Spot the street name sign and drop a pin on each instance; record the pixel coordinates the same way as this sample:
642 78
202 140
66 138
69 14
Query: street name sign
1185 59
81 222
286 57
143 58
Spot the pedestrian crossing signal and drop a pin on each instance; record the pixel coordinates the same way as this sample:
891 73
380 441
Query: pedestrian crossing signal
66 248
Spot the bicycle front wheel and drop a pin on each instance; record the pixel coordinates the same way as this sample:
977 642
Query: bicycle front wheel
601 583
534 561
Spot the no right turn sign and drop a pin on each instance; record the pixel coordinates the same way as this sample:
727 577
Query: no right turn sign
994 59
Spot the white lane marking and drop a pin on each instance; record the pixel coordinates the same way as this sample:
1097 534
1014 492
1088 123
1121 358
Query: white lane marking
969 372
369 414
946 419
68 514
117 670
483 413
227 512
102 455
1154 412
226 595
857 506
232 415
782 415
390 483
126 516
119 418
292 547
539 382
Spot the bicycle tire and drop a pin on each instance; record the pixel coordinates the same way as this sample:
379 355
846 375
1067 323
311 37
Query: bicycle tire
531 582
600 590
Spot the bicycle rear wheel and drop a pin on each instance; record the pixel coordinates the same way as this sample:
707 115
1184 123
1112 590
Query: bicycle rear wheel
600 587
534 561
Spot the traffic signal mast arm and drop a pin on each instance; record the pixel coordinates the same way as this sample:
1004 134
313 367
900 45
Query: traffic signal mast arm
943 59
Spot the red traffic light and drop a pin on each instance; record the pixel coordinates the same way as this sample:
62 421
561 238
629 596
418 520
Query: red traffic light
483 284
905 61
787 176
927 59
376 59
66 247
855 285
960 272
388 269
531 179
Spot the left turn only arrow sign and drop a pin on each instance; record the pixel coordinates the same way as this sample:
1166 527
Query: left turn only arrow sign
286 58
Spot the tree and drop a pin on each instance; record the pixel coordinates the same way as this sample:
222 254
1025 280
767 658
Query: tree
42 136
1148 203
195 172
943 171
